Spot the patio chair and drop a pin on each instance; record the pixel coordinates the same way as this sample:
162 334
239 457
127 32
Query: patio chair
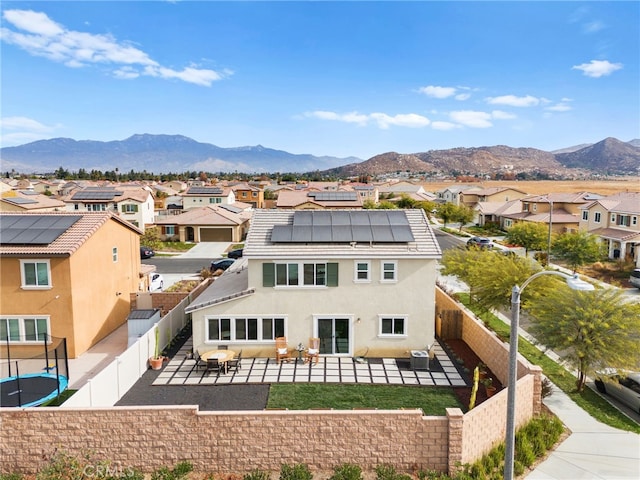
235 363
313 352
199 362
282 350
213 365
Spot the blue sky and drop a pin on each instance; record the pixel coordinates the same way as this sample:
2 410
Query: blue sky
325 78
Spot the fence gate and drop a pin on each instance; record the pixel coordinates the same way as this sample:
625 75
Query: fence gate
449 324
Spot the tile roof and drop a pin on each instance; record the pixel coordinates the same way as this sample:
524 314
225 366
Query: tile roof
258 243
209 215
615 234
31 201
71 240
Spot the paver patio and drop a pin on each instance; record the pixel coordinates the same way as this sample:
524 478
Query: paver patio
180 370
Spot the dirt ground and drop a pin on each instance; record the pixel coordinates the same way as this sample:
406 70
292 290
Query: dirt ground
603 187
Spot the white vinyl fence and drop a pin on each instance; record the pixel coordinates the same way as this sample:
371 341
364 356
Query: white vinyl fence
108 386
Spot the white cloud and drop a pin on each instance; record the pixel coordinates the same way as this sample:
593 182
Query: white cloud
21 130
438 92
598 68
514 101
473 119
500 115
445 92
593 27
562 106
42 37
382 120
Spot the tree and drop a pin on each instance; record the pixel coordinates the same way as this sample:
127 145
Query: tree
594 329
577 248
490 275
151 238
530 235
446 212
463 214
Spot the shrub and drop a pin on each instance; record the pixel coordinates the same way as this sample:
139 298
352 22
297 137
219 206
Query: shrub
256 475
11 476
178 472
299 471
347 471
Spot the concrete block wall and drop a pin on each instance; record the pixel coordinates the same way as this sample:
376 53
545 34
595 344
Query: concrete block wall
225 442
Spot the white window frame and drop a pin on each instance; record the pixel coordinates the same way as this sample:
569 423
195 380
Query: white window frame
114 254
170 230
634 220
129 208
383 271
357 271
23 276
300 272
597 217
393 318
22 328
261 336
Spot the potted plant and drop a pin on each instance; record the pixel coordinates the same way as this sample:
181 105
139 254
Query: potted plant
482 370
489 387
156 360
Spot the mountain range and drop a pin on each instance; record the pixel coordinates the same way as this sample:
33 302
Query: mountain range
177 153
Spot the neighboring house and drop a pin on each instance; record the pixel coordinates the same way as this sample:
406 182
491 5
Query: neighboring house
452 194
249 194
367 192
176 185
560 211
473 196
616 220
67 275
133 204
213 223
317 200
363 281
493 213
395 191
196 197
29 201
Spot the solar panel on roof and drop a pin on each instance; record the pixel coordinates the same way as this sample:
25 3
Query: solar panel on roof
334 196
29 192
94 195
20 200
311 226
34 229
204 191
231 208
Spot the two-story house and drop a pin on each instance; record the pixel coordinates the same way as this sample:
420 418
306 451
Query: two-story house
196 197
250 194
134 204
363 281
560 211
69 275
616 220
473 196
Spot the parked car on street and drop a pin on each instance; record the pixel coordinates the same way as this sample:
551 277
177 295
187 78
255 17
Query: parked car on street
634 279
146 252
479 242
237 253
221 264
624 386
156 283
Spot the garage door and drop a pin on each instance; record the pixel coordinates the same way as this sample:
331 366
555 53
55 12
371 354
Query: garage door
216 235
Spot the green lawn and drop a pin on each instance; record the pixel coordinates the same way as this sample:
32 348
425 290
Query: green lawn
432 400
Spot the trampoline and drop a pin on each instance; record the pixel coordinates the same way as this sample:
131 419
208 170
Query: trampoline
31 389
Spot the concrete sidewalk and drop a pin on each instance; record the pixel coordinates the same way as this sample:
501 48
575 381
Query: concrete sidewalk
592 451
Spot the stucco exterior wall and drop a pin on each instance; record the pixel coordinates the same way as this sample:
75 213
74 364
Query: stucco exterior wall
412 296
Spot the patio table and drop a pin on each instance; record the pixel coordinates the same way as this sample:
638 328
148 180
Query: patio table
223 356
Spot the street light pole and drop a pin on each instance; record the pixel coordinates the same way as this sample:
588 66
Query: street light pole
550 229
574 283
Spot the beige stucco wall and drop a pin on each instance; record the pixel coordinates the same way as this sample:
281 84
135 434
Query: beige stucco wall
412 296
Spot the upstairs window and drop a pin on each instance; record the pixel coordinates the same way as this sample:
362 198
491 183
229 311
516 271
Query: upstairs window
596 217
362 271
585 215
35 273
114 254
130 208
288 274
389 271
